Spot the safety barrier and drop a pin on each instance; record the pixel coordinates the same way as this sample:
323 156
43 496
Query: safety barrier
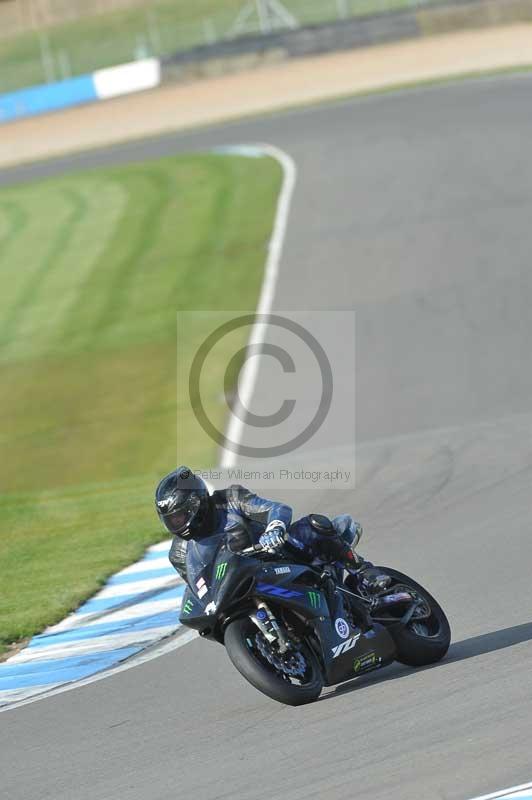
246 52
101 85
417 20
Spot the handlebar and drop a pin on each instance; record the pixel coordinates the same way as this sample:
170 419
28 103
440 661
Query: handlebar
255 548
350 559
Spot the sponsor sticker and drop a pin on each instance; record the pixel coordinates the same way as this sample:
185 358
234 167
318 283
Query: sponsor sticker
342 648
282 570
187 608
166 503
365 662
342 628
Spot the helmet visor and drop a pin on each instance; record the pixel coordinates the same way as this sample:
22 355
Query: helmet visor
179 520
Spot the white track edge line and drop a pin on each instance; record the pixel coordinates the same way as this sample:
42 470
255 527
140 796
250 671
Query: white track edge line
257 336
235 427
504 792
154 651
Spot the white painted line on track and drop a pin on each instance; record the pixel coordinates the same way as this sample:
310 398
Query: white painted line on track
96 645
161 547
136 587
524 792
257 336
16 697
155 563
148 608
148 655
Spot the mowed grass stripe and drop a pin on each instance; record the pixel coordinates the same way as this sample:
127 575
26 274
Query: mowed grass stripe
14 219
23 255
116 306
25 301
97 315
66 285
75 241
88 400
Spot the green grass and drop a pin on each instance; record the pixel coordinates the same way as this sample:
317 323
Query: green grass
93 268
166 27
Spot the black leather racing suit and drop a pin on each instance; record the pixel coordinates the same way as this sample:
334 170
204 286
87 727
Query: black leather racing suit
243 517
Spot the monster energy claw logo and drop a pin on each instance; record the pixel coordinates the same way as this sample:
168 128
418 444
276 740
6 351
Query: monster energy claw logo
314 599
187 608
220 570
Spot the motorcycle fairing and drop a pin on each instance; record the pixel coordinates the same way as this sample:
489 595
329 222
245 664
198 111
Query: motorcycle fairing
218 575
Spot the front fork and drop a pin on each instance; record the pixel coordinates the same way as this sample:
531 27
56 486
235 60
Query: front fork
269 627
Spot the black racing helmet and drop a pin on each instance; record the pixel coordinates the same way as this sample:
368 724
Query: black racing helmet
184 505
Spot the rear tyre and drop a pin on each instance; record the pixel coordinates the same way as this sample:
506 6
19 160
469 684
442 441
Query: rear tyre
247 651
425 641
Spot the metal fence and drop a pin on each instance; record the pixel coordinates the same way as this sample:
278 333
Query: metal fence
45 53
19 16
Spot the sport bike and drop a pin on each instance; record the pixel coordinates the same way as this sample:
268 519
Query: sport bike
291 628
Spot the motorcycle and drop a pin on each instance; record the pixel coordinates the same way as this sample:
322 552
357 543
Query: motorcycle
291 628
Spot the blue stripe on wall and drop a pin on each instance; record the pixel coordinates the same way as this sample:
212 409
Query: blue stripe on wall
49 97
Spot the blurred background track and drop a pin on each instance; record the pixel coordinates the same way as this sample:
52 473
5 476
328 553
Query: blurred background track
50 40
266 89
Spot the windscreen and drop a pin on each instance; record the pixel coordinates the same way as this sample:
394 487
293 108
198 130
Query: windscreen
200 558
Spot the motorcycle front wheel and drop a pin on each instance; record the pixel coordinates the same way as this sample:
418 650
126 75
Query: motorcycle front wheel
293 678
423 640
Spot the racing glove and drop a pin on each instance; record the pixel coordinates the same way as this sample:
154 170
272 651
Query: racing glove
273 538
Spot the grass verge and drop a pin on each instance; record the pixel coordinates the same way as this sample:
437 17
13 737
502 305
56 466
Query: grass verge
93 267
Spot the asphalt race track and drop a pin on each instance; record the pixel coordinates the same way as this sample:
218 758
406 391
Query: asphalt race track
416 210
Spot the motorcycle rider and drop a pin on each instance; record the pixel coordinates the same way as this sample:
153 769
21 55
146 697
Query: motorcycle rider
189 511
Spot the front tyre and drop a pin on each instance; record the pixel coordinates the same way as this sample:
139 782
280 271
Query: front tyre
293 679
423 641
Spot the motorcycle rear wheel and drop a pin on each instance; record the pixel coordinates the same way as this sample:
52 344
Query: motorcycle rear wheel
419 644
241 645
